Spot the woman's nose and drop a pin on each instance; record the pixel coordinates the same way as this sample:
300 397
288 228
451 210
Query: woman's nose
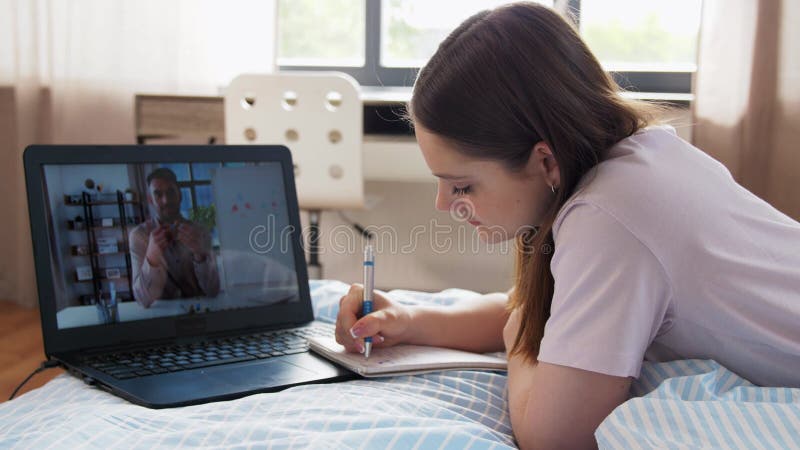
442 200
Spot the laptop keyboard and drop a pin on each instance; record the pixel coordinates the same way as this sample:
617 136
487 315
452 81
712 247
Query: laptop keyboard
227 350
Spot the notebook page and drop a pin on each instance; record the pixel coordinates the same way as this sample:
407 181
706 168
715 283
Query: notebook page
404 359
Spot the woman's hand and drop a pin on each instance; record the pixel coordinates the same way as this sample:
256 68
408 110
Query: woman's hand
388 324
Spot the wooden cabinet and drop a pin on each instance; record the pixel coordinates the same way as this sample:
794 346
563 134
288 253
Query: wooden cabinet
168 116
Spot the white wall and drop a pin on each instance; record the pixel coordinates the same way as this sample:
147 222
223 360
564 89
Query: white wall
681 119
417 246
402 207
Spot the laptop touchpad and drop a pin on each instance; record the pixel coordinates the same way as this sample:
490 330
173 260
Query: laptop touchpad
260 374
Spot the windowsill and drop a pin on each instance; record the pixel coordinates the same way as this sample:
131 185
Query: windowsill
660 96
384 95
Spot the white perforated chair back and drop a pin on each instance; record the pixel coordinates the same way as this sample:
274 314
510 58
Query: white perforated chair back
319 116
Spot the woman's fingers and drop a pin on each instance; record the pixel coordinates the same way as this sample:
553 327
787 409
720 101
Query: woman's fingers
349 309
350 330
369 325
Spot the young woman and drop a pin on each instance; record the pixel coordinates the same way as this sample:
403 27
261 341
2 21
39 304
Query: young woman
631 243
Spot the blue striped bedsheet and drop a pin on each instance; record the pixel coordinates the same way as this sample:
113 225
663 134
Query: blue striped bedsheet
682 404
447 410
701 404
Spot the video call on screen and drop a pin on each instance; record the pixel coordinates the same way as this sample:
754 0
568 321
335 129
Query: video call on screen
145 240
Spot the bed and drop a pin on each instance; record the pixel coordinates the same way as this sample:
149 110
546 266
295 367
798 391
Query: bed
680 404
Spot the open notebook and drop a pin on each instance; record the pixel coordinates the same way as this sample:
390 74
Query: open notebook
404 359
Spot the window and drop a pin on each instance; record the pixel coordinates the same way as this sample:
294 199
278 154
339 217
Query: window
321 33
411 30
648 45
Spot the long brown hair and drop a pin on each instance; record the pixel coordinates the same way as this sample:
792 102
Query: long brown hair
501 82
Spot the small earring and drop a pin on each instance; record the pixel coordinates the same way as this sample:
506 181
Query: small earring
553 188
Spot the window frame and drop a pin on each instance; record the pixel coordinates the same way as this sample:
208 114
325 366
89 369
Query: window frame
191 183
373 74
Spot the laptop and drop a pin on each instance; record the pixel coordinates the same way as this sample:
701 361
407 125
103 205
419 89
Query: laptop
173 275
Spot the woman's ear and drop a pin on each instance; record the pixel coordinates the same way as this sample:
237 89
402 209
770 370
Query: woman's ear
542 163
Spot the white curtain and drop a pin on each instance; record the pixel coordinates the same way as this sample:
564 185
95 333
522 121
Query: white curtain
69 70
747 107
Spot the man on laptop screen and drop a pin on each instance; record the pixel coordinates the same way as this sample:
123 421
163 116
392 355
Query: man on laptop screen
171 256
208 239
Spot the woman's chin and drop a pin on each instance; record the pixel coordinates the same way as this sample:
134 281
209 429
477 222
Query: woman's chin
492 235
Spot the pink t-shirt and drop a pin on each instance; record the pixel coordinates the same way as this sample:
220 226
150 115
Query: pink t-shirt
661 255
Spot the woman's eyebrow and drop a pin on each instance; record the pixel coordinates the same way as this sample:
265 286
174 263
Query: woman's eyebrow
450 177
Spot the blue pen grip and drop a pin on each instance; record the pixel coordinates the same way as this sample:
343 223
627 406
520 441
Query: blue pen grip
369 284
366 308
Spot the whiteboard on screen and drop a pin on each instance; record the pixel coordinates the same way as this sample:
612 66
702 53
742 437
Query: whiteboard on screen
253 226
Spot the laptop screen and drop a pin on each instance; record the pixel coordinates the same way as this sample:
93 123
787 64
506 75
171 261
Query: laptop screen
137 241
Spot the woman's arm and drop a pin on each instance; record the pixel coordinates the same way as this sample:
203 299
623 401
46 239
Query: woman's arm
474 325
555 406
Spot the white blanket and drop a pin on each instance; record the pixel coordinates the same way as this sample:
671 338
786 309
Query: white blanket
684 404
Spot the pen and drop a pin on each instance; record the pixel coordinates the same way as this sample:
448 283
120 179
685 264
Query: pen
369 284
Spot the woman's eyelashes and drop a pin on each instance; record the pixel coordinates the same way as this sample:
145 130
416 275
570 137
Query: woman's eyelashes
461 190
